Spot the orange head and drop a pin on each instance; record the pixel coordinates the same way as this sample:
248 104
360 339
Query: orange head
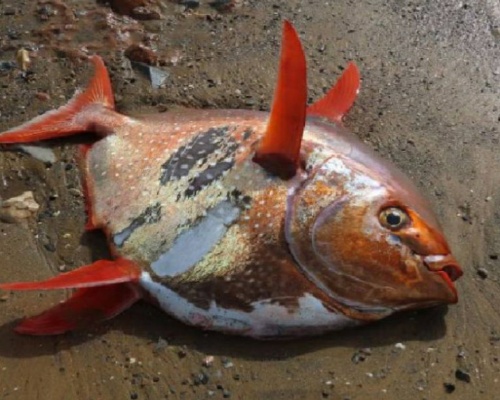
368 239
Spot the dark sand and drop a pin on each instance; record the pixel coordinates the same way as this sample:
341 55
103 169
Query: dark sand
429 102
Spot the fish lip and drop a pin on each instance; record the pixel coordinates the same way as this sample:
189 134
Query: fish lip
446 266
445 263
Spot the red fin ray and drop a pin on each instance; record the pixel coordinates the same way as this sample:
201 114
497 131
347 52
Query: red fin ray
340 98
87 306
279 150
68 119
100 273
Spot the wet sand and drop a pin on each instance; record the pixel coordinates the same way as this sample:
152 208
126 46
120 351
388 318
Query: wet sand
429 102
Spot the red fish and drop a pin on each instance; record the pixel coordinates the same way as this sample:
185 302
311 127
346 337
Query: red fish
259 224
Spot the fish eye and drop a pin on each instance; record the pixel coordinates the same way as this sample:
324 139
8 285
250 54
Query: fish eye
393 218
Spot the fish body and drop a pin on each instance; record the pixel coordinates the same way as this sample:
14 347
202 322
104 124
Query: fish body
265 225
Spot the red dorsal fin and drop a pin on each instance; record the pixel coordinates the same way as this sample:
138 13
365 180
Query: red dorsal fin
100 273
340 98
279 150
67 120
87 306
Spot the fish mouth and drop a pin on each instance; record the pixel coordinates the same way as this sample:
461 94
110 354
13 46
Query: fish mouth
446 266
444 263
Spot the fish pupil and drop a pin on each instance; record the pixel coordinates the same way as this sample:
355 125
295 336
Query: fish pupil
393 219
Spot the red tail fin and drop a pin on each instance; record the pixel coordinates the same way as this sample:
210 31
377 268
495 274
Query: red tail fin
102 272
86 306
105 288
67 120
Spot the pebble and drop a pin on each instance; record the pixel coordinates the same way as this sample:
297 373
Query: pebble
19 208
42 96
449 387
156 76
361 355
23 59
6 66
41 153
141 54
462 375
160 345
208 361
400 346
201 379
190 3
482 273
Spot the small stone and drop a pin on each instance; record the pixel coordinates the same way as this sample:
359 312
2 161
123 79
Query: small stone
449 387
462 375
6 66
208 361
190 4
400 346
142 54
156 76
41 153
226 394
23 59
134 396
42 96
227 363
225 5
482 273
361 355
160 345
19 208
201 379
75 192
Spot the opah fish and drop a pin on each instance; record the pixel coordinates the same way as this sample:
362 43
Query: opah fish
260 224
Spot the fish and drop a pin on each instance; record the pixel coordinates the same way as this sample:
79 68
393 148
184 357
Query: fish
261 224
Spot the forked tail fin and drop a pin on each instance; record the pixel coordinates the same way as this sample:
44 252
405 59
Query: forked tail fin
70 118
104 289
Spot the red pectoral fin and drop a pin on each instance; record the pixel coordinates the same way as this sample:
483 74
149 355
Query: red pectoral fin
340 98
70 118
102 272
86 306
279 150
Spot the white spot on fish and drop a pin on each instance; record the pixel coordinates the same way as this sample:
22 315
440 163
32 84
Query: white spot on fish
193 244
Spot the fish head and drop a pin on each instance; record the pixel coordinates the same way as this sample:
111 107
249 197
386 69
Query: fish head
369 240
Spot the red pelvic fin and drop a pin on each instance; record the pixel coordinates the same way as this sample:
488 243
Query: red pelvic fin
70 118
279 150
340 98
100 273
87 306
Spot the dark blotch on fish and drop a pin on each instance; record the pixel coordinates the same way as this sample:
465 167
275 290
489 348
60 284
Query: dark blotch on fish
150 215
200 147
